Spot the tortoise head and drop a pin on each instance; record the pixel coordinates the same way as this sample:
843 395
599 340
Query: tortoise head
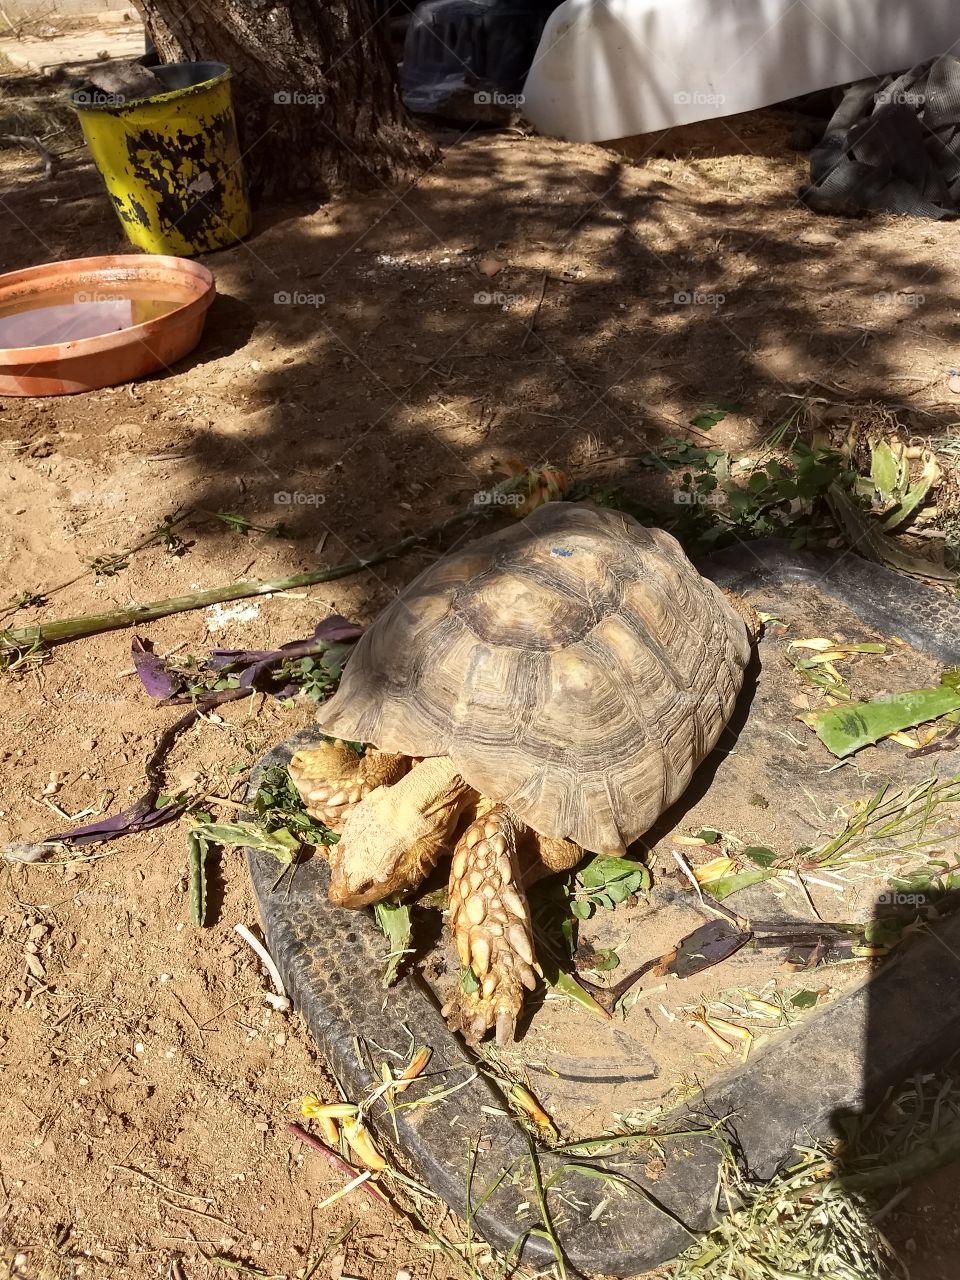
369 865
393 838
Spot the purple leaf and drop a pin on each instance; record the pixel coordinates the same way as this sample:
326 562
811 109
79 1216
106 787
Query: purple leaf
337 628
708 945
217 659
154 674
162 683
249 674
332 630
141 816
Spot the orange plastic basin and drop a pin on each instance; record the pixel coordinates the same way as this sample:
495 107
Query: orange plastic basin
94 322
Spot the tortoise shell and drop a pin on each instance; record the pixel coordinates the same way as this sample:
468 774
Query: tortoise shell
574 666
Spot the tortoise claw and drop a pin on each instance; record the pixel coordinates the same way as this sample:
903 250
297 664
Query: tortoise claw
473 1014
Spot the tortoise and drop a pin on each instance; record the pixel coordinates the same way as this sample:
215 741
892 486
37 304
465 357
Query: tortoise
545 690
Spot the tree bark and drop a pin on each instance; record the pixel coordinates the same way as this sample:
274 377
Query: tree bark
315 89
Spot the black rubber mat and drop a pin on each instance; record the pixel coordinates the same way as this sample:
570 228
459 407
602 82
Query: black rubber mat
332 963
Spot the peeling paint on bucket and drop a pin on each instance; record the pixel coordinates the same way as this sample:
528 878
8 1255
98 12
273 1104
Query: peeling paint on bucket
172 163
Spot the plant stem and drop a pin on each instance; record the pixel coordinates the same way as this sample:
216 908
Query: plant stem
47 633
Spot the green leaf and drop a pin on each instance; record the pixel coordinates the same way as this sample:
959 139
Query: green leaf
394 921
251 835
197 850
567 985
600 871
915 495
870 542
468 982
619 891
708 835
233 521
566 933
714 413
739 880
762 857
844 730
739 500
883 933
582 910
884 470
805 999
279 807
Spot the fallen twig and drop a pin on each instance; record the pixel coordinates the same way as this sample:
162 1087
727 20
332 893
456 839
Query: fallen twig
336 1161
171 1191
48 160
264 955
536 315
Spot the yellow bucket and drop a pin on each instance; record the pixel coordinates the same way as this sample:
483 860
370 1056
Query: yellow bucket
172 162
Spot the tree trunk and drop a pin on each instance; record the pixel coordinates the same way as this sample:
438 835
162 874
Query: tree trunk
315 89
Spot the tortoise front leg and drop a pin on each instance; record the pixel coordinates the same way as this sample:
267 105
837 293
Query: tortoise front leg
332 779
490 922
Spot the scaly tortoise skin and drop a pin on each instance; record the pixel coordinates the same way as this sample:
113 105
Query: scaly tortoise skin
545 690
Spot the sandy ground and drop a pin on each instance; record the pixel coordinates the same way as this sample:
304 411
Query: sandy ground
146 1082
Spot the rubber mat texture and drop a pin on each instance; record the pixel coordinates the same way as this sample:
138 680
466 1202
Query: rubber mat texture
332 962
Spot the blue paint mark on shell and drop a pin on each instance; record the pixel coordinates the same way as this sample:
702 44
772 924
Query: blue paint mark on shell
561 551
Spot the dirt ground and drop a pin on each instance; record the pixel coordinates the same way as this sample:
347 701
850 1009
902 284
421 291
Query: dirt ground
146 1082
